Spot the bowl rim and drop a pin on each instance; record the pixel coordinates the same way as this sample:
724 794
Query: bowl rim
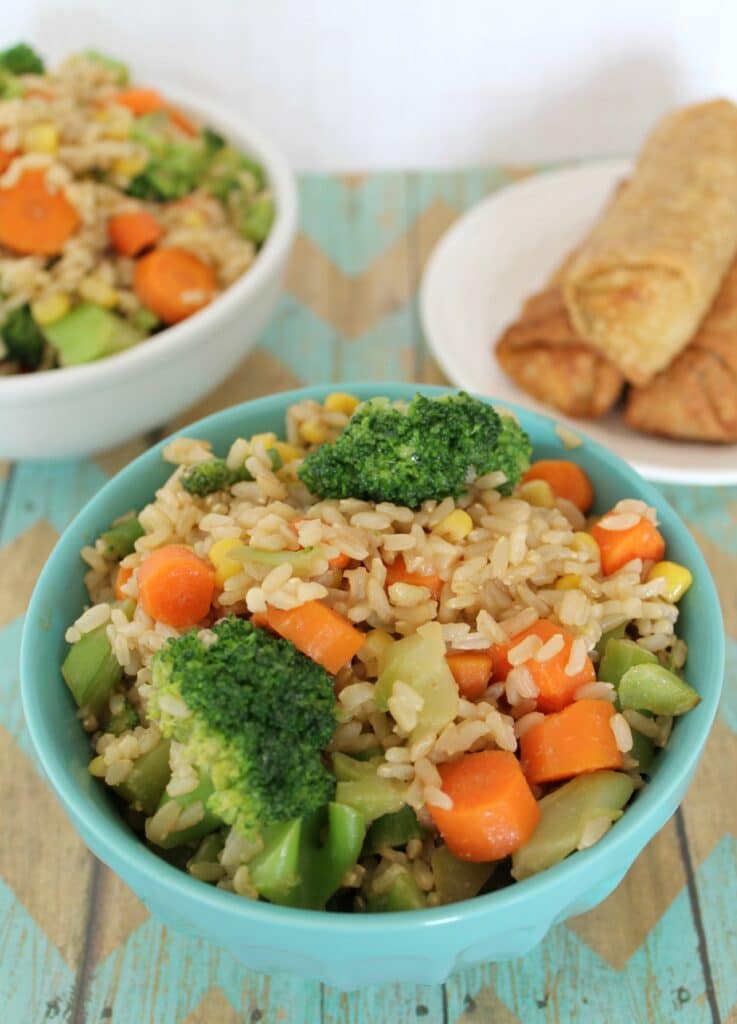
181 336
632 832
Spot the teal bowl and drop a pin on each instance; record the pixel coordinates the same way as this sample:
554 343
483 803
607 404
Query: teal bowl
346 950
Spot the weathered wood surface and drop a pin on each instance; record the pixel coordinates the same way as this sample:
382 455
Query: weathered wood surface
76 947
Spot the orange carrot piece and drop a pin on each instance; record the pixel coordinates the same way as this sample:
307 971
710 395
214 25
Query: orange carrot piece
566 479
319 632
617 547
555 686
494 811
131 233
397 572
471 671
140 100
33 220
6 158
176 586
570 742
173 283
121 578
180 119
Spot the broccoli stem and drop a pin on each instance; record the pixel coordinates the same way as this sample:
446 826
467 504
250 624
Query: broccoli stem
148 778
209 823
91 670
120 539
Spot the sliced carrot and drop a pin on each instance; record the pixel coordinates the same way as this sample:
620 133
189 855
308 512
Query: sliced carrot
555 685
173 283
176 586
617 547
397 572
576 740
494 811
131 233
319 632
37 92
6 158
471 671
566 479
121 578
140 100
180 119
34 220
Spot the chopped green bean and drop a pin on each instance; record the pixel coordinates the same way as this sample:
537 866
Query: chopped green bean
91 670
120 539
643 751
653 688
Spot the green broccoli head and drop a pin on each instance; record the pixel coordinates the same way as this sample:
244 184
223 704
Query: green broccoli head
252 712
512 453
433 449
212 475
23 340
21 59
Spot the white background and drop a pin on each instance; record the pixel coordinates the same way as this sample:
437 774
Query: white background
364 84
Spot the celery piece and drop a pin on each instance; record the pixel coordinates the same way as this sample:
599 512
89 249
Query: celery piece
359 786
256 220
619 655
403 894
120 540
275 871
209 823
457 879
393 830
148 778
565 813
91 670
655 689
419 661
301 561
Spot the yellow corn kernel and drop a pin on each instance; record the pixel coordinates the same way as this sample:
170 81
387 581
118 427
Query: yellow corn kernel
128 167
49 310
97 291
677 579
571 581
225 567
538 493
287 452
267 440
97 767
340 401
457 525
586 543
41 138
313 431
192 219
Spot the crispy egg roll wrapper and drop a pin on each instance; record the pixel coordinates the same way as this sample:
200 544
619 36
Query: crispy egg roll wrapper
648 272
695 398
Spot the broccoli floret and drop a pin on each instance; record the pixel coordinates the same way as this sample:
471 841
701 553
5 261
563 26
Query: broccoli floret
258 716
511 454
430 450
23 340
21 59
172 176
205 478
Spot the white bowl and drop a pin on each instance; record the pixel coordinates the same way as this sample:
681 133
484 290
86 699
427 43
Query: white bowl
83 409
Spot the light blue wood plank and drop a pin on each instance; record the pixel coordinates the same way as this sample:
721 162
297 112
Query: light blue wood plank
302 341
386 352
716 883
11 711
398 1004
55 491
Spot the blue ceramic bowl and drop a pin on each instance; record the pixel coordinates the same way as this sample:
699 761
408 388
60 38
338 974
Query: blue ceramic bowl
342 949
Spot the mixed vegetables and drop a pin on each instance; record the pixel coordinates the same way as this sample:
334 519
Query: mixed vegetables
154 174
247 702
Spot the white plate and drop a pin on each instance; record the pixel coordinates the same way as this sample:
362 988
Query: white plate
491 260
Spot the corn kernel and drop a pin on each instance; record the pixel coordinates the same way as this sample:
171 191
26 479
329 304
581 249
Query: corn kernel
585 542
97 767
677 579
49 310
538 493
225 567
313 431
571 581
128 167
287 452
268 440
97 291
41 138
340 401
192 219
457 525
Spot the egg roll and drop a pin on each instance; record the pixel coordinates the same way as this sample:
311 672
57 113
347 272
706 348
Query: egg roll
648 272
695 398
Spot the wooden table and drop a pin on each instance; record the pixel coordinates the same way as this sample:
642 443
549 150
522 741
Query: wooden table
76 945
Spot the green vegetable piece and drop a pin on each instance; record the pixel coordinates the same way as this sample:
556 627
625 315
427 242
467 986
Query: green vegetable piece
212 475
256 220
419 661
123 720
616 633
145 320
643 751
225 172
208 850
403 894
212 141
655 689
457 879
209 823
120 540
21 59
120 73
303 862
23 339
175 168
10 86
301 561
565 813
147 780
89 332
392 830
359 786
619 656
91 670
